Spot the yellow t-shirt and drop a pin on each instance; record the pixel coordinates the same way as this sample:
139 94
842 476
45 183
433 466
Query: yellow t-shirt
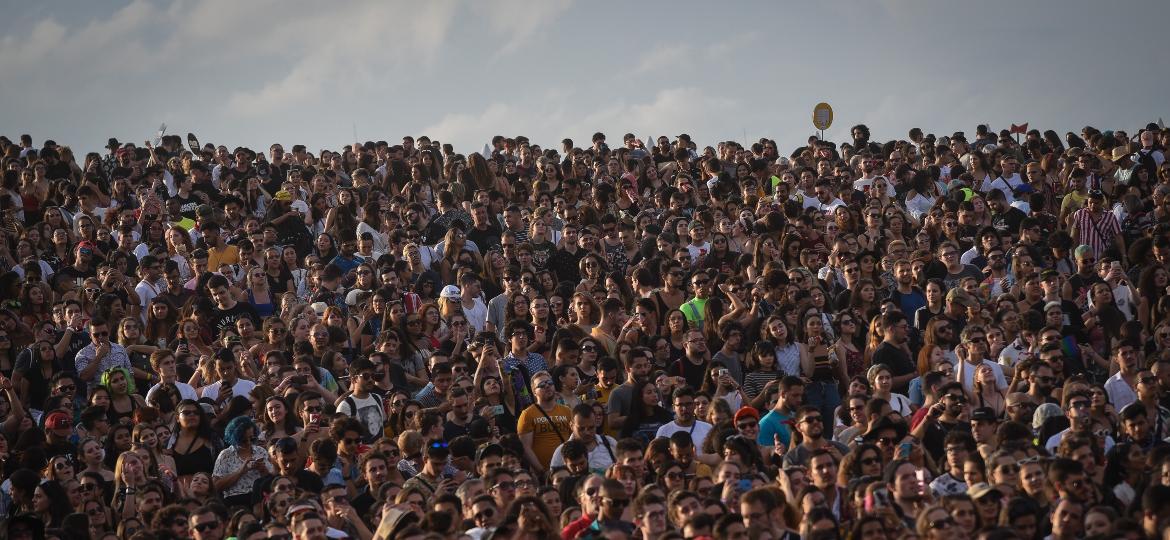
544 434
216 257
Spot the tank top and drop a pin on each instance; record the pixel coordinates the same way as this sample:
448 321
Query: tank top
263 310
201 460
116 417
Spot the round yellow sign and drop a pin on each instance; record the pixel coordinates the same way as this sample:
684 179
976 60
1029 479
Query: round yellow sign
822 116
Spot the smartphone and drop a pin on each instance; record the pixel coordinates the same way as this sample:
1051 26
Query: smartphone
906 448
498 410
745 485
299 379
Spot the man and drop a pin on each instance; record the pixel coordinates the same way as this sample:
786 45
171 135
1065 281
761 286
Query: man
496 306
1021 408
458 420
485 515
588 496
227 309
609 328
826 200
614 501
958 446
229 384
469 299
693 366
1067 520
206 524
82 266
1076 288
942 417
484 230
684 417
905 294
600 448
693 308
1097 228
306 525
150 270
699 246
974 357
1149 390
347 258
1080 420
650 515
954 269
761 509
729 354
1042 380
544 424
811 426
341 515
430 480
1122 386
621 399
519 335
775 427
218 252
907 491
362 403
1009 177
1005 218
822 466
1155 514
163 364
100 355
893 353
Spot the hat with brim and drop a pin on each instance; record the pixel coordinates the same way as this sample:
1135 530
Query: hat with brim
393 521
1120 153
113 143
885 424
959 296
983 489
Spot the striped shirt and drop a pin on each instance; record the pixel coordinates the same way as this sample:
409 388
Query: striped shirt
1097 233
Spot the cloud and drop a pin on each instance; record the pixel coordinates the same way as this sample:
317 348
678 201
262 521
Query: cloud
665 57
519 20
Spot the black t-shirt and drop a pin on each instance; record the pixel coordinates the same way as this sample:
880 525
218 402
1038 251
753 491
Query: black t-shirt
187 205
485 239
77 276
897 360
565 264
223 318
1009 221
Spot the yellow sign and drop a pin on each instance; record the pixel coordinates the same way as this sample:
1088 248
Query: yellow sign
822 116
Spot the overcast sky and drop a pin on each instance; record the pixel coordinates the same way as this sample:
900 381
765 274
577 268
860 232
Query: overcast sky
255 72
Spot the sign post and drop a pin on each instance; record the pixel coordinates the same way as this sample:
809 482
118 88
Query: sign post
822 117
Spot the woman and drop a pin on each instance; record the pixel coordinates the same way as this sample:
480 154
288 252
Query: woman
646 414
276 420
258 293
129 478
123 399
32 383
986 393
567 379
91 456
527 518
131 338
720 385
59 468
241 463
966 516
50 503
676 325
819 362
935 523
761 368
145 440
35 304
161 322
882 380
930 359
193 444
189 339
934 304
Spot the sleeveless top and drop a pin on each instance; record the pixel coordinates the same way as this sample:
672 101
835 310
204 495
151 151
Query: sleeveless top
854 362
263 310
788 359
201 460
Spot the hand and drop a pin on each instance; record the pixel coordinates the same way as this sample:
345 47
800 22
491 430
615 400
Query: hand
259 466
5 383
103 350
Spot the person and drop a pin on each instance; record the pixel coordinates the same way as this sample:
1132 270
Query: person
544 424
684 417
601 448
775 427
893 353
100 355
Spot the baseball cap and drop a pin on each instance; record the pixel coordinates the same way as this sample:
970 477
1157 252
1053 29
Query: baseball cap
746 412
962 297
450 292
58 420
283 195
984 414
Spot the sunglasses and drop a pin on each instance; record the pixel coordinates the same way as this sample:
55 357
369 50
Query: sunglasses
206 526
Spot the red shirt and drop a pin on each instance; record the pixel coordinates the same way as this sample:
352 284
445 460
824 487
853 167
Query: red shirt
575 528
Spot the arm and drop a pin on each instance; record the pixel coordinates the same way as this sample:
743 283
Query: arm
526 438
807 364
16 415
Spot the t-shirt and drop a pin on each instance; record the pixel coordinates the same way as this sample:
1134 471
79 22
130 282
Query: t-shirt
223 318
772 424
897 360
369 412
546 435
698 430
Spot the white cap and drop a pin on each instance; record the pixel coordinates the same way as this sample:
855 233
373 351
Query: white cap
450 292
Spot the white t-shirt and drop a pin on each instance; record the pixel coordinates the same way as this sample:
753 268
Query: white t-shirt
969 375
699 431
369 411
243 387
476 314
186 391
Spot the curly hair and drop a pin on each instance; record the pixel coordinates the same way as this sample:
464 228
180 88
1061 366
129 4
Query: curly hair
233 434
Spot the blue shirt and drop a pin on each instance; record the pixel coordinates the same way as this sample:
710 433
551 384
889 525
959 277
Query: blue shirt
773 424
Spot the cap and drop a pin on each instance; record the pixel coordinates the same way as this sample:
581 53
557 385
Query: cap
984 414
1048 273
1016 398
283 196
962 297
982 489
451 292
490 449
58 420
319 308
746 412
85 244
1053 304
204 210
1044 412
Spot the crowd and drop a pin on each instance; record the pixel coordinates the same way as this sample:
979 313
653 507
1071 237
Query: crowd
930 337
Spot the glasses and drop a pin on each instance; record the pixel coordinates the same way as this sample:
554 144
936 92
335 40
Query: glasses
102 334
588 348
86 488
682 404
812 419
944 523
747 425
508 486
620 503
1009 468
206 526
1082 404
675 475
62 465
870 461
67 388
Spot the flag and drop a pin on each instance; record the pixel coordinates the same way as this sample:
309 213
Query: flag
1023 128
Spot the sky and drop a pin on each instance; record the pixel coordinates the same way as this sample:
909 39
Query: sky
255 72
